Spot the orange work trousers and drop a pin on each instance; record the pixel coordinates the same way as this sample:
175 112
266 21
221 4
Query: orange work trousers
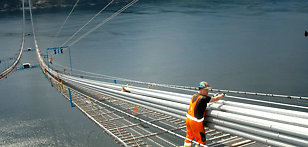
195 130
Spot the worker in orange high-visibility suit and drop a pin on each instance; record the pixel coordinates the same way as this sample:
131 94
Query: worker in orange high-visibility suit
196 114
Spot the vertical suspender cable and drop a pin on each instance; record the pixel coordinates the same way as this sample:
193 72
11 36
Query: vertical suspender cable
60 29
104 21
69 39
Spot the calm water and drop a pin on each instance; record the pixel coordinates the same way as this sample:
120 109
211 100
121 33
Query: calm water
241 45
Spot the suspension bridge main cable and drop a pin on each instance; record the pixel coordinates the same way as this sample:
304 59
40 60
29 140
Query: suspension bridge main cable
186 88
101 76
11 67
60 29
70 38
23 19
103 22
250 99
32 24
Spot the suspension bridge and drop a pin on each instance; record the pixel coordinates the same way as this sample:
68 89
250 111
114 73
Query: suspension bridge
5 63
137 113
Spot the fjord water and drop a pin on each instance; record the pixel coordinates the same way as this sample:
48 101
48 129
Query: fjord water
237 45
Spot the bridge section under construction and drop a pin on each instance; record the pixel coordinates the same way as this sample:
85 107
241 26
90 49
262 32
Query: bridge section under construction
136 113
140 116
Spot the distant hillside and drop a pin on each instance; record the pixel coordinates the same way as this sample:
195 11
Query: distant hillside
9 4
16 4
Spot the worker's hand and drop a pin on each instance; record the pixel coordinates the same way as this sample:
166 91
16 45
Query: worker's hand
217 97
217 94
221 95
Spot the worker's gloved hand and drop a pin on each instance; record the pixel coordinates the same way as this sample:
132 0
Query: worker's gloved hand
217 94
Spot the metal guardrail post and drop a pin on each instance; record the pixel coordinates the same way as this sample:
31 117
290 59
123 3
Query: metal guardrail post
69 92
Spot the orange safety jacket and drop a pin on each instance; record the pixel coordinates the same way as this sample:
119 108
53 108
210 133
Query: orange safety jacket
197 107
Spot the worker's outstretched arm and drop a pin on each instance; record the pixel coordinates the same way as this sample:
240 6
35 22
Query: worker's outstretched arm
216 98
